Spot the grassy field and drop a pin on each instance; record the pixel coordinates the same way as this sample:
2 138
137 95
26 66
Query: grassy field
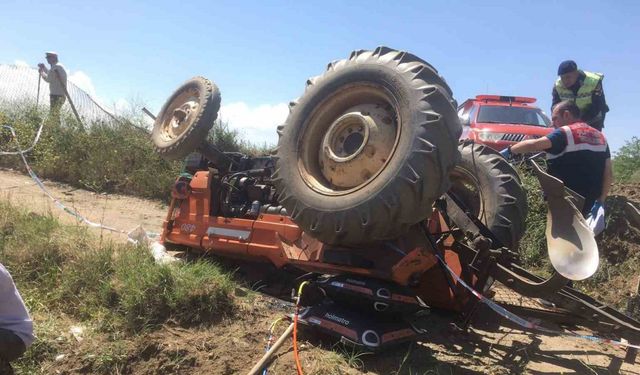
117 291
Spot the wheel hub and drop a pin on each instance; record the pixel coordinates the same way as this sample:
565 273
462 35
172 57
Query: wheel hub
181 117
347 137
357 145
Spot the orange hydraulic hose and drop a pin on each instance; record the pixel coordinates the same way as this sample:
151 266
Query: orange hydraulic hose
295 330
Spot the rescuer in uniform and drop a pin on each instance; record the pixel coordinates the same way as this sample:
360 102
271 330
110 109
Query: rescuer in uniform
577 154
583 88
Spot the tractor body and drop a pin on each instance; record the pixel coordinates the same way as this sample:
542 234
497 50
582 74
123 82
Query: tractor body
373 197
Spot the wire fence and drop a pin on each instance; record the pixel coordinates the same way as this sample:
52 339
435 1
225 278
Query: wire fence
19 84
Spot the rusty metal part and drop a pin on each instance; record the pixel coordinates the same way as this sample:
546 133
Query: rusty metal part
148 113
215 156
577 307
570 304
181 115
583 309
451 207
501 268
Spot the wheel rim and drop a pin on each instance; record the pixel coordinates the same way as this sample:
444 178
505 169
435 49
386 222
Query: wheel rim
180 115
465 186
349 139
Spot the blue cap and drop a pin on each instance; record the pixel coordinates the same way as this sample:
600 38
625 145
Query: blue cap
567 66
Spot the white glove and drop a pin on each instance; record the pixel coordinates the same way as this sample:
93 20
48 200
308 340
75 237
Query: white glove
595 220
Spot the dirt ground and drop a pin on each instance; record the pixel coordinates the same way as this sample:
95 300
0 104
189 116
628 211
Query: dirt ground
631 191
117 211
491 345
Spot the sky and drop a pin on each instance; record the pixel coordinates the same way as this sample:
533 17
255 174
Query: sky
260 53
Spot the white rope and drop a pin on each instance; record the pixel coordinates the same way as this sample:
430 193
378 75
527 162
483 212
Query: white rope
134 235
13 134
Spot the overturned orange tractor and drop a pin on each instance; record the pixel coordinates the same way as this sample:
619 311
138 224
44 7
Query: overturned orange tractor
371 194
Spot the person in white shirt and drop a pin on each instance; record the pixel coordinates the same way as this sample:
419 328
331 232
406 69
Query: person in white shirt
16 326
57 78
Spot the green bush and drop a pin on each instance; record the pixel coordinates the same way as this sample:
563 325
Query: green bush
533 244
146 293
201 292
141 289
102 157
113 157
626 162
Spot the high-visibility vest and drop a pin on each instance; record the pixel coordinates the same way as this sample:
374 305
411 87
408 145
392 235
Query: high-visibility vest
583 98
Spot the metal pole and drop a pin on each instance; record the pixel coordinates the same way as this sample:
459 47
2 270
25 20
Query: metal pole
263 361
38 95
73 107
148 113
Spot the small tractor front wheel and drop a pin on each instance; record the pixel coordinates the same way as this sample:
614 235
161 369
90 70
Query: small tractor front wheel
186 118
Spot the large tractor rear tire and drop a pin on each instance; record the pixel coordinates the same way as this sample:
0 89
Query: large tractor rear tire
367 148
490 189
186 118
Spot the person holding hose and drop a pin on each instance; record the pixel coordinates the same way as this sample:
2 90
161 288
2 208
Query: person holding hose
583 88
57 79
577 154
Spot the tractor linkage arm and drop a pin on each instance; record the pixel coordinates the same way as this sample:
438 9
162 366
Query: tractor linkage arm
490 261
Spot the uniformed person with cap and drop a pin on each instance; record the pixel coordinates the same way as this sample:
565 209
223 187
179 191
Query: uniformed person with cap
57 78
583 88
